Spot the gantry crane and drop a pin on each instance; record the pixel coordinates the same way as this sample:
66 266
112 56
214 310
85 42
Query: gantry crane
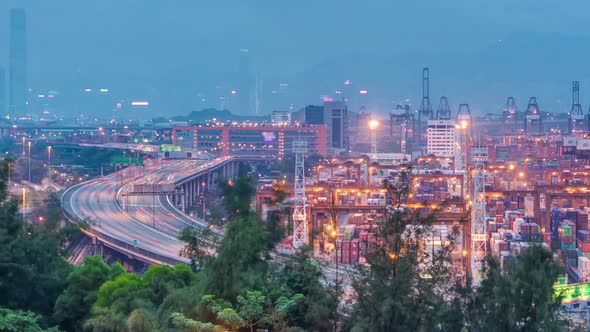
576 118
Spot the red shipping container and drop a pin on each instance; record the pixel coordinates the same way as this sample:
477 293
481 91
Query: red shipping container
364 236
354 248
584 246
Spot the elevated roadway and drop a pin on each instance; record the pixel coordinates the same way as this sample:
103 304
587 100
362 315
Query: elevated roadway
144 228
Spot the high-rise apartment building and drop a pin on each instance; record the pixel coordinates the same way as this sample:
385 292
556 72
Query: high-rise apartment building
17 76
336 118
314 115
281 118
441 140
244 105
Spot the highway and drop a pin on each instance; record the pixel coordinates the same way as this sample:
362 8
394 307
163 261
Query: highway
147 227
126 223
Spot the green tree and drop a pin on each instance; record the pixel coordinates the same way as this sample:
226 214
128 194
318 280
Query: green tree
520 299
162 280
74 304
106 320
242 261
237 196
251 308
198 246
225 313
317 311
150 295
121 293
186 324
183 300
21 321
20 170
32 271
230 318
404 288
142 320
275 223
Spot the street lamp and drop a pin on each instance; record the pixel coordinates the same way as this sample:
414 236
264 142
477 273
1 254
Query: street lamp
29 144
8 174
49 162
464 254
333 236
511 168
24 146
24 202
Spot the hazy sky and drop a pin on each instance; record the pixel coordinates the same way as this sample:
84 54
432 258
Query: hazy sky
156 40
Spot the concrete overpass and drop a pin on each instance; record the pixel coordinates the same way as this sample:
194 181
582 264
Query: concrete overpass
144 226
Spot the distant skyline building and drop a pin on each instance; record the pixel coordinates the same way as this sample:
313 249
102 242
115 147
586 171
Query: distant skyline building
244 104
336 117
281 118
17 76
314 115
264 141
362 126
440 138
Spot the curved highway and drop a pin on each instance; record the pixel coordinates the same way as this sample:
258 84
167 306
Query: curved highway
143 227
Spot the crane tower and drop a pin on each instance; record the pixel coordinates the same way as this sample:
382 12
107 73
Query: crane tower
479 157
576 117
426 106
510 111
299 214
400 116
444 110
533 122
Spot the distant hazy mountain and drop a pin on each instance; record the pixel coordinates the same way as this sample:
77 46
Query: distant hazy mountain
523 65
200 117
